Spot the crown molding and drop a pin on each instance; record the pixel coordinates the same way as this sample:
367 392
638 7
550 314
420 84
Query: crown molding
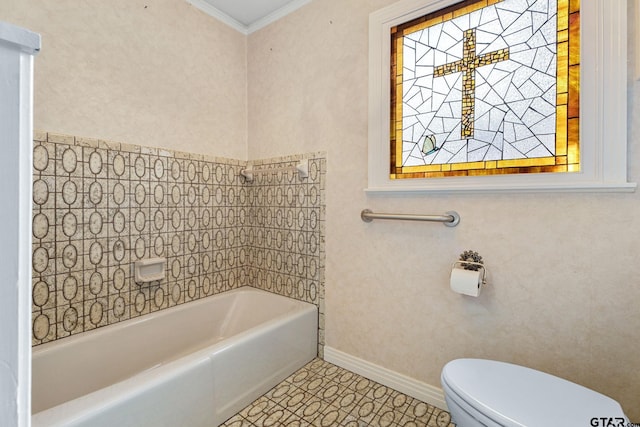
277 14
207 8
219 15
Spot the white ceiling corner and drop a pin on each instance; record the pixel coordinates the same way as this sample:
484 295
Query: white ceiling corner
248 16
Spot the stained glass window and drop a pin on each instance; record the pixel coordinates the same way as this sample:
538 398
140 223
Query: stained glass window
486 87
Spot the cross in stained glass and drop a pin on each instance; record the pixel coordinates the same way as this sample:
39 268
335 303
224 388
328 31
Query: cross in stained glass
467 65
486 87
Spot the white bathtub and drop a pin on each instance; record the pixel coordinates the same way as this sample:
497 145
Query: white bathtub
196 364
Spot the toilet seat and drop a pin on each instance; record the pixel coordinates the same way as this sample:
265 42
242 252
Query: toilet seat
516 396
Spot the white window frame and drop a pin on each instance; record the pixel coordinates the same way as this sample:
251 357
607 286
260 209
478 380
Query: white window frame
603 108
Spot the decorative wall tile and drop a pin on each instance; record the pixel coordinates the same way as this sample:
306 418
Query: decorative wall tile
285 231
99 206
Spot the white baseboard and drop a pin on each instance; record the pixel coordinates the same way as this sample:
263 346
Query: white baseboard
409 386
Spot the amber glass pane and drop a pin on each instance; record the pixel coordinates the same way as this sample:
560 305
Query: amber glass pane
486 87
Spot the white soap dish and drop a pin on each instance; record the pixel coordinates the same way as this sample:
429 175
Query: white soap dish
149 270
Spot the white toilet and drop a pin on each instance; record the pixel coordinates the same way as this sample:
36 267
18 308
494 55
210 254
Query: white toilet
489 393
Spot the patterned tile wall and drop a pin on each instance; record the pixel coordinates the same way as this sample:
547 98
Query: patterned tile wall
99 206
285 230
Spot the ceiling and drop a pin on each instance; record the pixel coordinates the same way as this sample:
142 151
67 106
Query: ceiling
248 16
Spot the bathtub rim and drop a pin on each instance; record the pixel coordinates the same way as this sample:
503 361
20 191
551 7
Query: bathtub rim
145 318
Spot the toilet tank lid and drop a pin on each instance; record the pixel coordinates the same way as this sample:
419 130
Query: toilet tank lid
514 395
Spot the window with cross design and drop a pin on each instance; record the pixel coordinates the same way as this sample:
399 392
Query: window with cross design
486 87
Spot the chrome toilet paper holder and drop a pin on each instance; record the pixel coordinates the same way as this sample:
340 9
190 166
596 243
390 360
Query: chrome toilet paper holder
471 260
474 266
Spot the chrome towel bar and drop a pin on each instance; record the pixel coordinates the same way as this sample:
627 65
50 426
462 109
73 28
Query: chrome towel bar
450 219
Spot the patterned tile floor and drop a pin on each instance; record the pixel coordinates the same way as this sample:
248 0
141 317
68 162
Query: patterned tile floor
321 394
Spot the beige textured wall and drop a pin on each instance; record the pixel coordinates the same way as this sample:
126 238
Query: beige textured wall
152 72
564 272
564 288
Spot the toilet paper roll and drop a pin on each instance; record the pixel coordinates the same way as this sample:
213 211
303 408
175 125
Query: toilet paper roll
466 282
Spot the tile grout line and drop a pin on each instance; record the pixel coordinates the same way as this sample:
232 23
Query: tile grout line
354 401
